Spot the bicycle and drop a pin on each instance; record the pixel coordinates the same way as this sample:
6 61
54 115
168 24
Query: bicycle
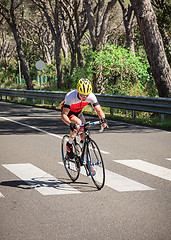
88 156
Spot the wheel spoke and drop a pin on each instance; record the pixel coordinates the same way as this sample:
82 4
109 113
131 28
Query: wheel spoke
95 163
71 165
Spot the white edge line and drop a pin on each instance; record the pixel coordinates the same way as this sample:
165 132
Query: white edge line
35 128
1 195
40 130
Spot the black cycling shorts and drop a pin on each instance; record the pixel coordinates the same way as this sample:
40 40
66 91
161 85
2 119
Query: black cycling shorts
77 114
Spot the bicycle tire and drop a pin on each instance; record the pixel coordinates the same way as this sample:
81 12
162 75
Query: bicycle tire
95 160
72 166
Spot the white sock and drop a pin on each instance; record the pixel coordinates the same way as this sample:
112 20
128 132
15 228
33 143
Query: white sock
70 140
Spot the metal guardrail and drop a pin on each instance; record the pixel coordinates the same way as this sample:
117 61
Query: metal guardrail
145 104
32 94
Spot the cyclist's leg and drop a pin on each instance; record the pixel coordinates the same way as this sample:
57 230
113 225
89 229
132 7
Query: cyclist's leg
76 120
70 150
83 121
80 119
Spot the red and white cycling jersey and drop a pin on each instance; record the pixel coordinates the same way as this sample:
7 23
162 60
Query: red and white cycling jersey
74 103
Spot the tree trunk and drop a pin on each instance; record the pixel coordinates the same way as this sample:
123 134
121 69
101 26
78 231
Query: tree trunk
24 67
73 61
74 29
52 12
79 55
97 28
9 16
98 86
58 45
65 47
58 65
129 24
153 45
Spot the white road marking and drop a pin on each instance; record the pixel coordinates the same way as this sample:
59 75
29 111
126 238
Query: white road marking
104 152
120 183
41 181
1 195
169 159
40 130
124 184
101 151
35 128
146 167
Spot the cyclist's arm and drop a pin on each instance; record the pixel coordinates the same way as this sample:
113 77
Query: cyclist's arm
64 115
65 118
96 106
99 111
100 114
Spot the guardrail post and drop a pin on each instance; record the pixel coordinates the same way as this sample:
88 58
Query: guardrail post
162 117
134 114
111 111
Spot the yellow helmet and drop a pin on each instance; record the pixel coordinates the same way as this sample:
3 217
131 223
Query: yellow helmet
84 86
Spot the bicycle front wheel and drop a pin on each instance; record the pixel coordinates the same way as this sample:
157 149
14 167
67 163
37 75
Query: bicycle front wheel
72 166
95 164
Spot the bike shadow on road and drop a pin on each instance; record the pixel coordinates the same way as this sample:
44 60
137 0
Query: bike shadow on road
81 186
59 184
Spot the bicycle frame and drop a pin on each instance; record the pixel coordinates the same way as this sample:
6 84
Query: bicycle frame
87 155
86 140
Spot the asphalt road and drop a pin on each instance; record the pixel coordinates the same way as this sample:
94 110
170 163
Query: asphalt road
38 201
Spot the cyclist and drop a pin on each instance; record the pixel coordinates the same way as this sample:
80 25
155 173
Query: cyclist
72 106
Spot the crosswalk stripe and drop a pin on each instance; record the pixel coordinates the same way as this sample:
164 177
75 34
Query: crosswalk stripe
1 195
120 183
169 159
41 181
146 167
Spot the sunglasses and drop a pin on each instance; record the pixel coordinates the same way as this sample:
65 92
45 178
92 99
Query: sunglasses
83 95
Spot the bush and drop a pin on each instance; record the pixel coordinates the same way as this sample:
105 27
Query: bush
123 73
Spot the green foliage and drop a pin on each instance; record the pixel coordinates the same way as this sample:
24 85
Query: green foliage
8 75
80 73
50 70
123 73
86 71
121 70
33 54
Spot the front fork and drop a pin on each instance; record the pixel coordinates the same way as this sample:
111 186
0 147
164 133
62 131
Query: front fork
86 163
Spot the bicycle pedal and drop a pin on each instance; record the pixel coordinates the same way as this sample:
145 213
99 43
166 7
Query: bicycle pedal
82 163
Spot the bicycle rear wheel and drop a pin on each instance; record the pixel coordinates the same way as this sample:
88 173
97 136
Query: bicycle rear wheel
72 166
95 164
